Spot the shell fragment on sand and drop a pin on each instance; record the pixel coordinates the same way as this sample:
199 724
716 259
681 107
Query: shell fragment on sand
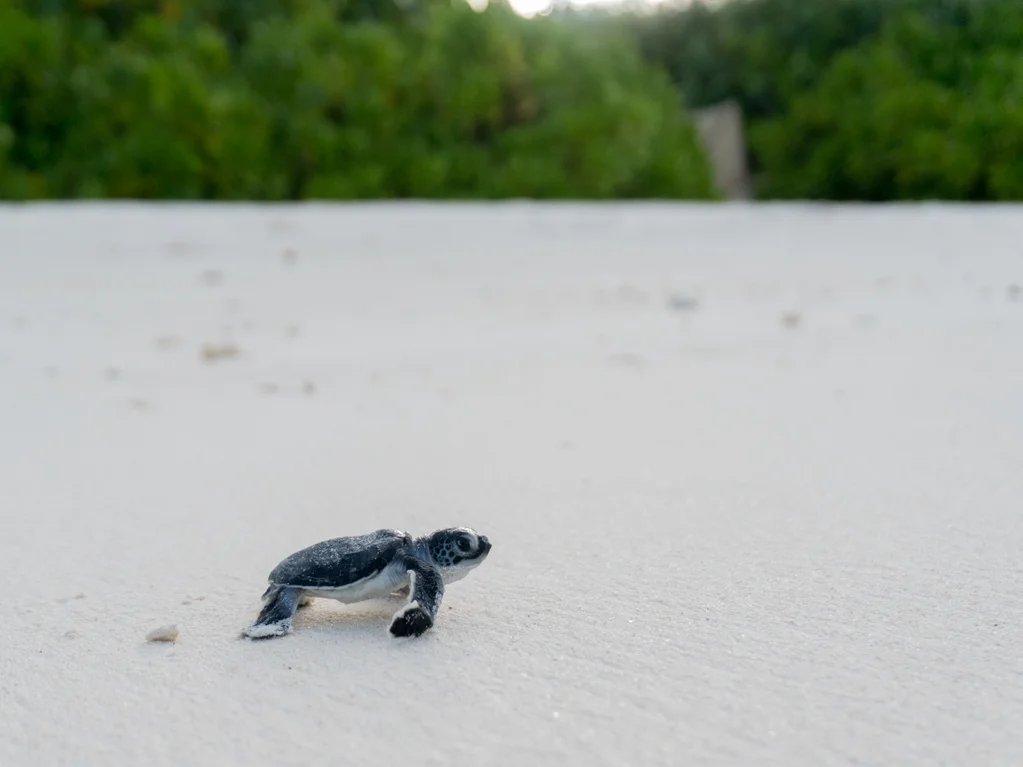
163 634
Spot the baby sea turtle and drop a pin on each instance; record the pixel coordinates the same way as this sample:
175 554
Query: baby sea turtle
359 567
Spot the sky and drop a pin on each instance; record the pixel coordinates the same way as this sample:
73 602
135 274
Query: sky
535 7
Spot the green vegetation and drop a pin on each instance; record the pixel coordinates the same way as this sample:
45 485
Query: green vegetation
860 99
271 100
918 113
296 99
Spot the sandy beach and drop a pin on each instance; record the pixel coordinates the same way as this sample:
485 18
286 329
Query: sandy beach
752 474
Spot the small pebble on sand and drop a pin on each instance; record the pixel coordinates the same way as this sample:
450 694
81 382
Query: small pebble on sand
214 352
163 634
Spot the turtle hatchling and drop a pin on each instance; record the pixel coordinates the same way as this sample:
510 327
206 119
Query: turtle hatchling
355 568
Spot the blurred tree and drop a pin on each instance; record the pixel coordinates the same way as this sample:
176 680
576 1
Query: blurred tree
923 112
833 113
290 99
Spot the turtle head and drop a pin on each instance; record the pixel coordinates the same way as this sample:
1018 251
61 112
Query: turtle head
457 550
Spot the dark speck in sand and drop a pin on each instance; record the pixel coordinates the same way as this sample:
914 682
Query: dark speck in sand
682 303
214 352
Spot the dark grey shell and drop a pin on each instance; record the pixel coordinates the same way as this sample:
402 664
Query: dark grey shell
341 561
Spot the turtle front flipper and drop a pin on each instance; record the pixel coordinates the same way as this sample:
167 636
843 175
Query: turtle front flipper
426 589
280 604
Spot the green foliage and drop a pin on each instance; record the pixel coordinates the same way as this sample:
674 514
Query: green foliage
763 52
922 112
295 99
31 105
553 112
859 99
759 51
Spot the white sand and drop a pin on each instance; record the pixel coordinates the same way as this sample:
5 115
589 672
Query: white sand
719 538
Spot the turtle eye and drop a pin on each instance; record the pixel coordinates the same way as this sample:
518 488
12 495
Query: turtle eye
464 544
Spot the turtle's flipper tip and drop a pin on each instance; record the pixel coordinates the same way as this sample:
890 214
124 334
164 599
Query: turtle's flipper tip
410 621
265 631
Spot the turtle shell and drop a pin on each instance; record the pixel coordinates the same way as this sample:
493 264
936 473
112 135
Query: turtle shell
339 562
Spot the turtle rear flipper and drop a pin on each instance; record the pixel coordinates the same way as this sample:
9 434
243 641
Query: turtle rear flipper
280 603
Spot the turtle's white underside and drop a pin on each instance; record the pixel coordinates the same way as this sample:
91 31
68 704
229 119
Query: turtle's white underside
375 587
